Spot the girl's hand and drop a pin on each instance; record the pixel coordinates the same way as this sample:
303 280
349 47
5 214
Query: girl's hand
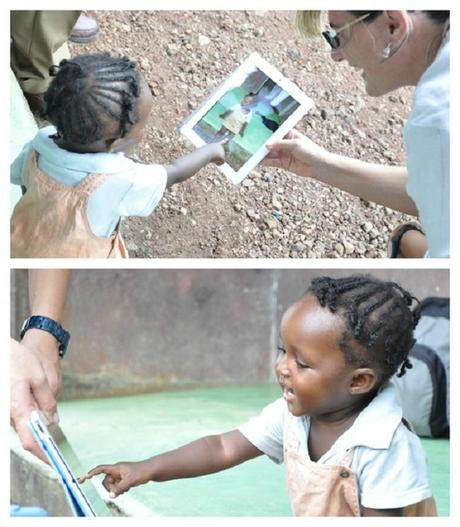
120 477
217 152
297 154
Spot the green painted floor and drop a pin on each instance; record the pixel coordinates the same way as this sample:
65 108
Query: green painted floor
133 428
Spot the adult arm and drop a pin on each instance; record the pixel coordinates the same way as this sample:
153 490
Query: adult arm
35 376
205 456
385 185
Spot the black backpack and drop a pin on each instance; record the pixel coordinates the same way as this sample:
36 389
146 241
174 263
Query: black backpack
424 389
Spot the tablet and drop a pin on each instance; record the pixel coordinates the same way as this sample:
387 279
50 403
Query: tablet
66 464
254 105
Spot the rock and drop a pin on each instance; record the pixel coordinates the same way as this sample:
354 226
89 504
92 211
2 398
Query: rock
366 227
172 49
339 249
298 247
183 211
259 32
348 247
272 224
237 207
203 40
252 214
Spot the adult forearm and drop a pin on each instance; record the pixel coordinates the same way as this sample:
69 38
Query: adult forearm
48 292
381 184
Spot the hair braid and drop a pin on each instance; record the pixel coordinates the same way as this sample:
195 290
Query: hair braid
90 94
379 320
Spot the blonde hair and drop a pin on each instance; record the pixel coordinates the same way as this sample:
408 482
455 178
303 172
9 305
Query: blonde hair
310 23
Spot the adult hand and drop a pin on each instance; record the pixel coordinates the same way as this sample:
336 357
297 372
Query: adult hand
296 153
35 380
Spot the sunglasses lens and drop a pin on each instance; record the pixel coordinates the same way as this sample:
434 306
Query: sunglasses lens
331 39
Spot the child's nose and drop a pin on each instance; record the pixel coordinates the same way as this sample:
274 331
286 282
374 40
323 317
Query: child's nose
281 367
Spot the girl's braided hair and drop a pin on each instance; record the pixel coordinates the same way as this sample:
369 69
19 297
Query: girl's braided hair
379 317
89 94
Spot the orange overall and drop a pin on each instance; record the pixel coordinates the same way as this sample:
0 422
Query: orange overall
317 489
50 220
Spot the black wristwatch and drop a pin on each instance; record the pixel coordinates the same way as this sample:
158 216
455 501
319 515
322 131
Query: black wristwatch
51 326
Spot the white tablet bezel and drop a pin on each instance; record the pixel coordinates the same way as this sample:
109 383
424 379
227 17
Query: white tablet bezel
75 494
236 79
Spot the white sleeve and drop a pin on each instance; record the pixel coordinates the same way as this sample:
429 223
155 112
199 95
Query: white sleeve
147 187
266 430
397 477
17 166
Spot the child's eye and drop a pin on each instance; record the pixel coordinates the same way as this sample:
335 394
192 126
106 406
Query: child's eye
301 364
281 351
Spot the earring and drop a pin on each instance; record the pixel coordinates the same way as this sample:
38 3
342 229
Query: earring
387 51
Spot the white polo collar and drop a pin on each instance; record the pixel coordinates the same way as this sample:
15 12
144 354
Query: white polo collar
100 162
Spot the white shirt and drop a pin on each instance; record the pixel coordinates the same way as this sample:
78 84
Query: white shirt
133 189
426 137
389 460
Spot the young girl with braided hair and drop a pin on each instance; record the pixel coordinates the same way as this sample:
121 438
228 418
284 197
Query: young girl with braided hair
338 427
78 181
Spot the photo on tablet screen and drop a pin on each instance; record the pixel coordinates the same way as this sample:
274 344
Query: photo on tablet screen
254 105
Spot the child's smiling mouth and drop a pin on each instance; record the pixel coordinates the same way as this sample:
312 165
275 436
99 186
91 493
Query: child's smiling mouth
288 393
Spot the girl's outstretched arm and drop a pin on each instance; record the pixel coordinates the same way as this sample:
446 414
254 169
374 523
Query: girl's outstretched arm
188 165
205 456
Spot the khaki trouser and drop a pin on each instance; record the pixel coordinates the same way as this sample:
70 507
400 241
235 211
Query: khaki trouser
39 40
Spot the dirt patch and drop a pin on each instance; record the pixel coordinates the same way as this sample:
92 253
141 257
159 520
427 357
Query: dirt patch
184 55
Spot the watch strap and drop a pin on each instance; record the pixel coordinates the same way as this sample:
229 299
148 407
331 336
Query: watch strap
51 326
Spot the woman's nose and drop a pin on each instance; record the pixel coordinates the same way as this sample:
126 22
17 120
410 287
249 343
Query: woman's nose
336 55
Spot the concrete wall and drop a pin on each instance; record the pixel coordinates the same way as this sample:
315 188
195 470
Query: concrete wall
142 330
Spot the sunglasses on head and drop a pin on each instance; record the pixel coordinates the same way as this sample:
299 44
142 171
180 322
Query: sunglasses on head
332 36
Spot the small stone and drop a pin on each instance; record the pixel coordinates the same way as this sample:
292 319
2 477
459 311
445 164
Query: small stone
339 249
252 214
248 183
349 247
298 247
203 40
172 49
272 224
183 211
367 226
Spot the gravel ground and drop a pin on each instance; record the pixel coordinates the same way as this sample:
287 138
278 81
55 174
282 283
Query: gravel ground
184 55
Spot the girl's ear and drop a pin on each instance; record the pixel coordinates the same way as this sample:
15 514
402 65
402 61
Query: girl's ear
363 380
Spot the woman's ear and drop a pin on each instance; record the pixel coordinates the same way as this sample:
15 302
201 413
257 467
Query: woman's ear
362 381
397 23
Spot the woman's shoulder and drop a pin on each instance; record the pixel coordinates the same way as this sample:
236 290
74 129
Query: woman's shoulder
431 100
